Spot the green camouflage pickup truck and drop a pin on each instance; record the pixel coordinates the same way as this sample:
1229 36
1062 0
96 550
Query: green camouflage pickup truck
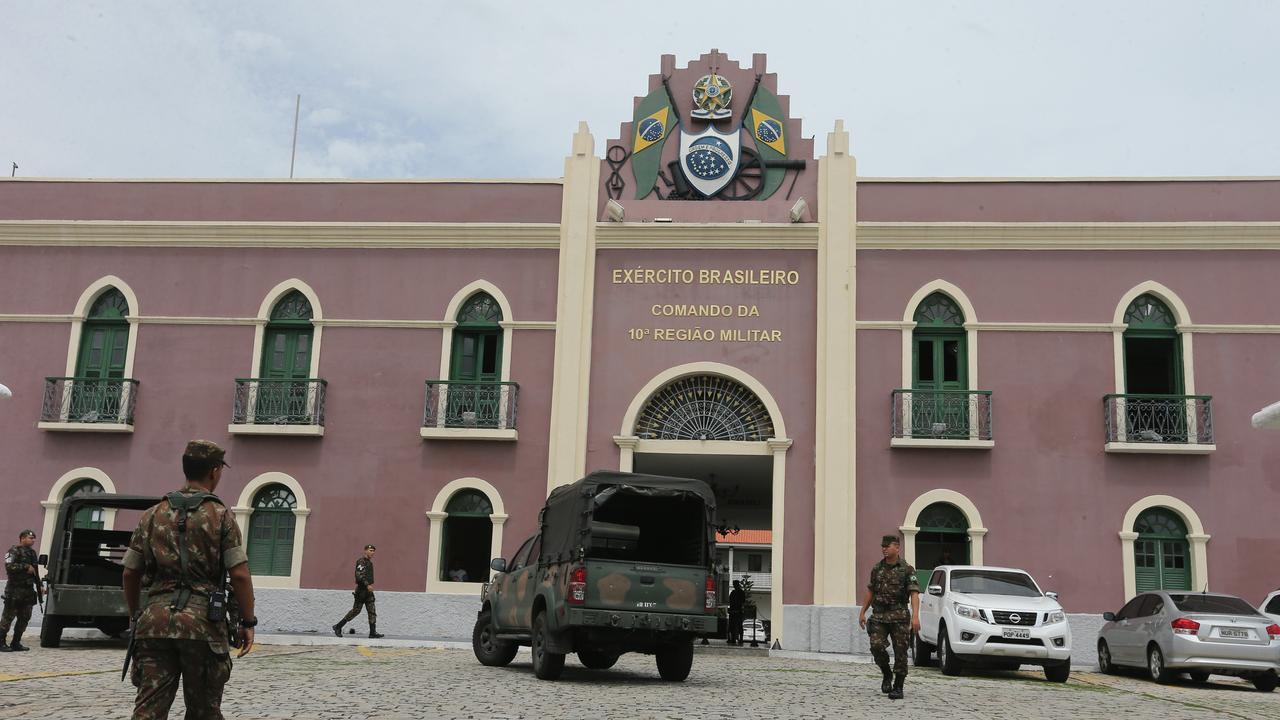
621 563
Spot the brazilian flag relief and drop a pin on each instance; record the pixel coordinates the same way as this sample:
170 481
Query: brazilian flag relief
652 125
768 127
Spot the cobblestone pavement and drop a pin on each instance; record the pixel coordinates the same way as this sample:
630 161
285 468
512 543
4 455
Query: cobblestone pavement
82 680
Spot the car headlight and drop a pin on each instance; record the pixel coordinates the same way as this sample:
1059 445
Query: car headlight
968 611
1056 616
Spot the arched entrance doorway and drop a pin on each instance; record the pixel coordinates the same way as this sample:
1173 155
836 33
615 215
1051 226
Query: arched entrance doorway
1161 554
717 424
943 539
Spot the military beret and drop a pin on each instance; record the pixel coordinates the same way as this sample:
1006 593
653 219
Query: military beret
205 452
370 547
887 540
26 532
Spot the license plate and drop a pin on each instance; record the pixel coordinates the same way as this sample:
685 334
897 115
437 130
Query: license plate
1016 633
1233 633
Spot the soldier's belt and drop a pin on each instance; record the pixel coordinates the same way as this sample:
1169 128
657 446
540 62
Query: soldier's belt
197 600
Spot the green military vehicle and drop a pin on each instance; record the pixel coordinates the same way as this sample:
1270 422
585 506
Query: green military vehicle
621 563
84 570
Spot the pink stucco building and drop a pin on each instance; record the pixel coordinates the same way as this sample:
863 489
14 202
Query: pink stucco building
1053 374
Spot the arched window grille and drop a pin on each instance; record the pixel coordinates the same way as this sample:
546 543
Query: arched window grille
704 407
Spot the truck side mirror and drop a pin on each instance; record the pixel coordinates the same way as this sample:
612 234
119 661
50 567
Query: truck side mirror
498 564
43 559
1051 595
935 590
1108 616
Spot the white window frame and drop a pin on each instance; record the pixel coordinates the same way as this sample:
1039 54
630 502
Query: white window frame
435 533
243 510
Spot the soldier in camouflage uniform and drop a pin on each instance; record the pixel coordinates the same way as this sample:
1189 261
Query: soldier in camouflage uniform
893 585
173 636
363 594
20 591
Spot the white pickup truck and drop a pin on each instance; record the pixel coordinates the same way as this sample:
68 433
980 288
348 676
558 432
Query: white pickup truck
993 617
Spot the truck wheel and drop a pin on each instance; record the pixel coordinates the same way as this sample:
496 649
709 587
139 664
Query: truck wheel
596 660
1058 673
675 661
947 660
50 631
113 627
490 650
922 652
546 664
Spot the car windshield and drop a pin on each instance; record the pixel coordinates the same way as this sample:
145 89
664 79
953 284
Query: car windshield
993 582
1222 604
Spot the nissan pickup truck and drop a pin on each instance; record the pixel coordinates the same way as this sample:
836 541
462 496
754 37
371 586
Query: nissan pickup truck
621 563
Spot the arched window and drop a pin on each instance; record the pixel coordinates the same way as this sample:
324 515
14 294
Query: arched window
475 365
1161 557
88 516
1153 374
271 531
467 537
943 539
939 375
104 344
282 395
704 407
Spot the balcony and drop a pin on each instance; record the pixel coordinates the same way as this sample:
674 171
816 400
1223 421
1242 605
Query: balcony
278 407
957 419
1169 424
81 404
470 410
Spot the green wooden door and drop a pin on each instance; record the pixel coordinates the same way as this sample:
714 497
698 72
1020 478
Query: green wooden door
1161 554
104 346
283 394
1153 366
87 517
271 532
939 361
475 366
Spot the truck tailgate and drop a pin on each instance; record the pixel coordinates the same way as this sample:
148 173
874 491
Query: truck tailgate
645 587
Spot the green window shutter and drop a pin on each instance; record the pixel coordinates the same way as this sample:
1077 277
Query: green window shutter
87 517
1175 570
1146 571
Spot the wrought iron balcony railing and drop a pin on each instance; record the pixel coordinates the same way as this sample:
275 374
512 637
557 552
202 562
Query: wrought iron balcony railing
942 414
1176 419
89 400
279 402
486 405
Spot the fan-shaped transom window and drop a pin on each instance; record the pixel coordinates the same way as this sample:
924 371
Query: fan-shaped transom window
111 305
704 407
293 307
480 309
271 531
942 517
469 502
1147 312
1159 522
939 310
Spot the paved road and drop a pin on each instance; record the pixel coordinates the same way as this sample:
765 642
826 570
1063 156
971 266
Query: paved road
82 680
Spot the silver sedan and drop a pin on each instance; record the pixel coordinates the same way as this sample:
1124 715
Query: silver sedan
1197 633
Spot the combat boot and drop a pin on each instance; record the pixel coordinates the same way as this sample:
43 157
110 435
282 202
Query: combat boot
3 647
374 634
896 692
337 630
887 683
17 646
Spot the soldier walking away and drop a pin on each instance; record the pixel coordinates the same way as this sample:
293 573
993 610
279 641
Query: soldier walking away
363 594
892 587
21 591
736 600
181 548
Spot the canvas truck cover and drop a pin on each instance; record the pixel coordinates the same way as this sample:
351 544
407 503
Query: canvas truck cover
566 517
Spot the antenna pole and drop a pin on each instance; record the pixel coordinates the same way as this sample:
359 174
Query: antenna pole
294 152
15 170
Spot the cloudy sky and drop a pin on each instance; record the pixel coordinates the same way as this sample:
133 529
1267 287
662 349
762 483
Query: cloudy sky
122 88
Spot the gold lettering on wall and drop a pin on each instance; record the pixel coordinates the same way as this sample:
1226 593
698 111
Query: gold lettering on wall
704 276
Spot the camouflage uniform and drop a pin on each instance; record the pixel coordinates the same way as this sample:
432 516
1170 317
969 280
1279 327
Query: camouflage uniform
171 643
19 593
363 597
891 587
